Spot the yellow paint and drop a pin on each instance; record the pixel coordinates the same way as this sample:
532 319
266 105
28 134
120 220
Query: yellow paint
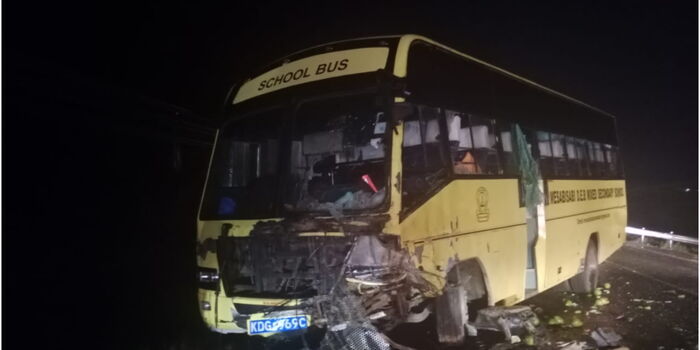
571 223
457 224
449 222
355 61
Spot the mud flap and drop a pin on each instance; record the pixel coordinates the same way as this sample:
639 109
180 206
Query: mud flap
451 312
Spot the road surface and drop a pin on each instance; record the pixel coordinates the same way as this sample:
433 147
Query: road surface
653 305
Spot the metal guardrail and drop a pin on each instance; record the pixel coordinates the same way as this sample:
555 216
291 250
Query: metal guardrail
667 236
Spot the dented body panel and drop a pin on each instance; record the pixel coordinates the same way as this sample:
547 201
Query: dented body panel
382 265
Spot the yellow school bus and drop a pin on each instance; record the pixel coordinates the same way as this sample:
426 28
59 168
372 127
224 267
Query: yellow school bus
374 181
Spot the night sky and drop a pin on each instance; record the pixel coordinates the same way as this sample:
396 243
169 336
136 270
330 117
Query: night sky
636 60
98 234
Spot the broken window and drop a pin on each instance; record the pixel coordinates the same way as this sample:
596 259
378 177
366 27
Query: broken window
337 154
423 156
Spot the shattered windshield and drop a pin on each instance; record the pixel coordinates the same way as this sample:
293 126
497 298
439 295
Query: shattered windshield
244 176
337 156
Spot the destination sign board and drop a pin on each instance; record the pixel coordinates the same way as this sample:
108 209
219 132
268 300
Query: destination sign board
314 68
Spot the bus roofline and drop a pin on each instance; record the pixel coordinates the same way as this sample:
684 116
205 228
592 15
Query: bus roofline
401 64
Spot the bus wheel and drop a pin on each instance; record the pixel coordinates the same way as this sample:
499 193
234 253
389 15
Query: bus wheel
451 314
586 281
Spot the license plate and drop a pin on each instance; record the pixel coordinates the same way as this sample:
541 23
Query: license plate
279 324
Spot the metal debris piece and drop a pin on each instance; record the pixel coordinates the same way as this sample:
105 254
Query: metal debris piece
605 336
681 296
507 320
575 345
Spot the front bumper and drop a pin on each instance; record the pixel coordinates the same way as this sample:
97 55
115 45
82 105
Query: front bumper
231 314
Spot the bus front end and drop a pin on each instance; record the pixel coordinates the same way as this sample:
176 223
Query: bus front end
297 227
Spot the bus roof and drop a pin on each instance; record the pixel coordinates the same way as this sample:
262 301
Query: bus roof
400 64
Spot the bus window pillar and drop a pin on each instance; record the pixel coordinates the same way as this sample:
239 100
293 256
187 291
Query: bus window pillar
395 184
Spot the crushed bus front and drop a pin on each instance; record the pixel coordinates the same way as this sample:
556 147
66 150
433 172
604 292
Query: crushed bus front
286 275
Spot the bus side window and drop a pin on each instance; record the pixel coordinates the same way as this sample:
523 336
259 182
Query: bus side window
559 155
573 156
545 153
473 143
508 161
611 160
597 159
584 157
423 156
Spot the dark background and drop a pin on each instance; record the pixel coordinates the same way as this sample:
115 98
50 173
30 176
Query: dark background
109 110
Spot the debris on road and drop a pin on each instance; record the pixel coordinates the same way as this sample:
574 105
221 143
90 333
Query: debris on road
556 320
605 336
529 340
509 320
576 322
602 301
575 345
570 303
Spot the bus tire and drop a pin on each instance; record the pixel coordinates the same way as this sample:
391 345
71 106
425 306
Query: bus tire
587 280
450 314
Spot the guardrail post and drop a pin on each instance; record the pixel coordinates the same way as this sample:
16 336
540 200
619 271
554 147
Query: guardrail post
670 241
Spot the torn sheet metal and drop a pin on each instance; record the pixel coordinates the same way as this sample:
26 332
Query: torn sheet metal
509 320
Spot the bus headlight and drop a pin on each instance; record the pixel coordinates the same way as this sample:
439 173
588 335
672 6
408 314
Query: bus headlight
208 278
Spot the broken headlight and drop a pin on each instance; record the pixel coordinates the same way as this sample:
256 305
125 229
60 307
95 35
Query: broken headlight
208 278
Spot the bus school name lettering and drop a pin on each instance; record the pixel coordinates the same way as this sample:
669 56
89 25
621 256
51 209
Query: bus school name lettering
301 73
568 196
